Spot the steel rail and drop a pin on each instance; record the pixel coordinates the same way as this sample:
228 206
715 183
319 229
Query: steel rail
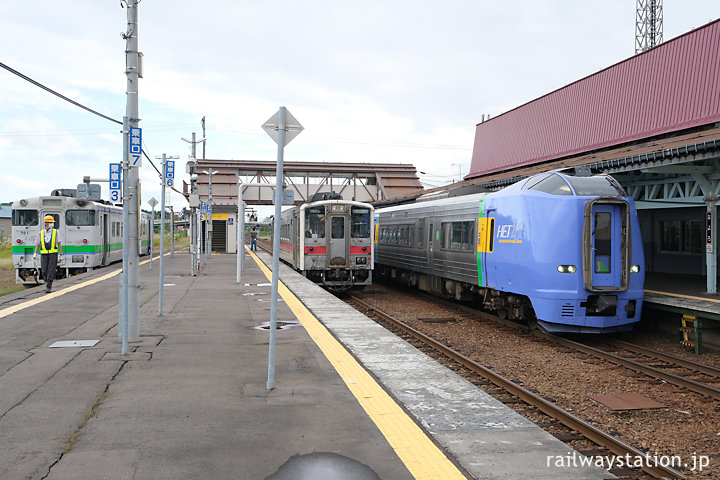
676 380
616 446
697 367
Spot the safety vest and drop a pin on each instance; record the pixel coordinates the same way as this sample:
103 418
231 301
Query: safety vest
53 245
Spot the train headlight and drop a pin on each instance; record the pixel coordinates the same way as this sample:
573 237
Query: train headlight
567 268
361 260
635 269
19 241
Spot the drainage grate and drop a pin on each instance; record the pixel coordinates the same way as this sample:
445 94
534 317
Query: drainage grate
281 325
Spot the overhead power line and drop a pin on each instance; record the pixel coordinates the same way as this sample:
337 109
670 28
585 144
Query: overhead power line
60 95
77 104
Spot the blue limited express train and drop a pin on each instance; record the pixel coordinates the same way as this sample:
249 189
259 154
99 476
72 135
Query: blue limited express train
561 251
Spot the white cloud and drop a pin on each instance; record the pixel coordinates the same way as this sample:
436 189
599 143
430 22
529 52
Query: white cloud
400 82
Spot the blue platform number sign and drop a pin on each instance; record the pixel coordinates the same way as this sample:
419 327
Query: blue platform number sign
136 147
115 183
170 173
709 233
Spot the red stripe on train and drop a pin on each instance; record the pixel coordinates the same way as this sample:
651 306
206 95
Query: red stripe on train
315 250
360 251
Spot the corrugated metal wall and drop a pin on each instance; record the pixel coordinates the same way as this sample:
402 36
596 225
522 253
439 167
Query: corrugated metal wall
668 88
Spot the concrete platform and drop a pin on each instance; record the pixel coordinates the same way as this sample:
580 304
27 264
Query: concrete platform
678 295
191 400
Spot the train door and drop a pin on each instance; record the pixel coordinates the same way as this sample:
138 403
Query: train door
338 255
607 243
437 258
105 238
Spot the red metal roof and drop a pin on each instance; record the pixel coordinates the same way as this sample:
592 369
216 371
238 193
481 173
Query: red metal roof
671 87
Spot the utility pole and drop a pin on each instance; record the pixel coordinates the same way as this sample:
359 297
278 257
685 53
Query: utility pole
166 180
204 136
195 229
130 332
172 229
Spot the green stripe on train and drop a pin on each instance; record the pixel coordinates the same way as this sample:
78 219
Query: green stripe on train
76 249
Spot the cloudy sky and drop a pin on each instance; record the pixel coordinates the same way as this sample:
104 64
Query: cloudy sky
375 81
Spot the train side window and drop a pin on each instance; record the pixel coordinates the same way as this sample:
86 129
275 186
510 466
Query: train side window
24 218
462 236
421 233
80 218
445 229
337 227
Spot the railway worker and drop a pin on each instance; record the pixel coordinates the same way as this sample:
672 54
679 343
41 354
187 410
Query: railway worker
49 244
253 239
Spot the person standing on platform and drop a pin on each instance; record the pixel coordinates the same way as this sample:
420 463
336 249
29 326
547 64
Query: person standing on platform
49 244
253 239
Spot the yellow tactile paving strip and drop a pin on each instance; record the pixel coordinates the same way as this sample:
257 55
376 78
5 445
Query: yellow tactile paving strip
22 306
420 455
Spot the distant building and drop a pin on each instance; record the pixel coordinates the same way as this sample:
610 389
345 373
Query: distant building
5 221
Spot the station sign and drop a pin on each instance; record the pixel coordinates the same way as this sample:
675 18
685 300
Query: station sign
169 173
708 232
115 182
136 147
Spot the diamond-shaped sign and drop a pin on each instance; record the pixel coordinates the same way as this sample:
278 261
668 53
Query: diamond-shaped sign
292 127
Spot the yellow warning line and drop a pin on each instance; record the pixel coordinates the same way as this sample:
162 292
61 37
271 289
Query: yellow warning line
420 455
684 296
35 301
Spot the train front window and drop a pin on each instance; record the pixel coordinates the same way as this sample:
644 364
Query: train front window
603 242
24 218
338 227
315 222
554 185
600 186
360 222
80 218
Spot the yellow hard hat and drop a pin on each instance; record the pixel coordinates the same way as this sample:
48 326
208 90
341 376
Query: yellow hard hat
49 218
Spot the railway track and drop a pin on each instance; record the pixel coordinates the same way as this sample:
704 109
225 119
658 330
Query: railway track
639 367
592 433
635 365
